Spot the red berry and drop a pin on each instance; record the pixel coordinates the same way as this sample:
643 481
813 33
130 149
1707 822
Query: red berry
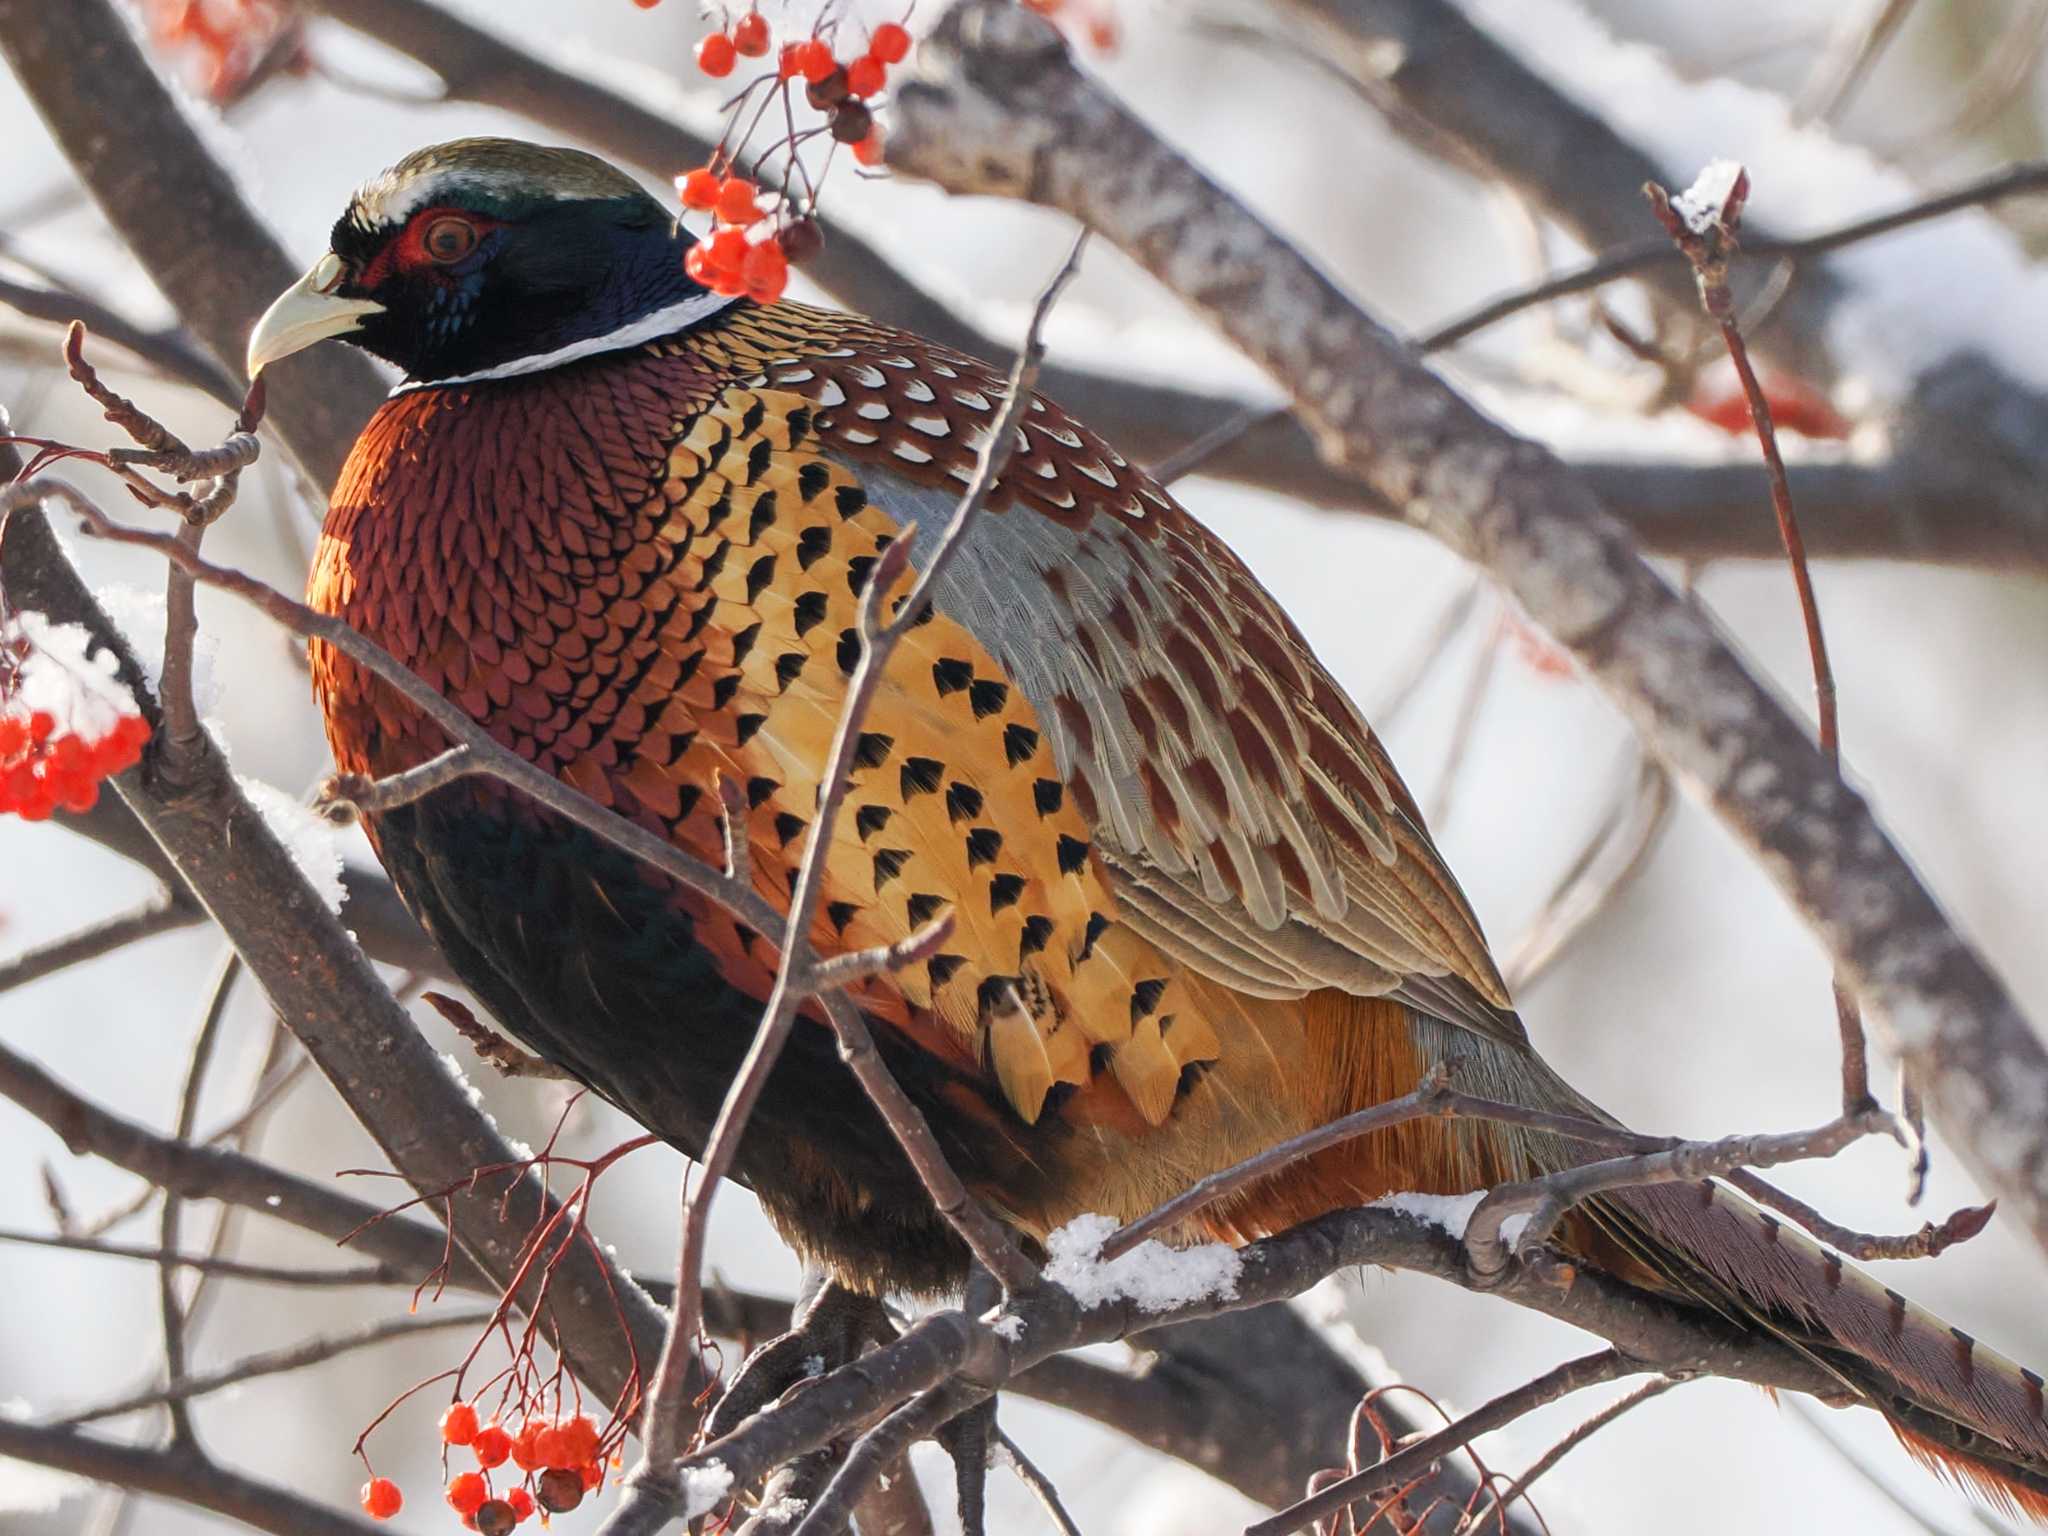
890 44
40 724
869 150
727 256
750 34
467 1492
865 77
458 1424
525 1453
521 1502
496 1518
591 1473
381 1498
736 203
580 1438
699 188
647 5
766 274
491 1445
716 54
547 1446
788 65
814 60
561 1489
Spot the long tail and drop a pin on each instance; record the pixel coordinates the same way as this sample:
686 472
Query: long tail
1958 1407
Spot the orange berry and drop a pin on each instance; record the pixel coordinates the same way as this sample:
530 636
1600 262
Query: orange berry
521 1502
458 1424
547 1446
789 64
467 1492
525 1452
814 60
890 44
728 254
869 150
750 35
381 1498
647 5
716 54
865 76
699 188
736 203
491 1445
591 1473
579 1436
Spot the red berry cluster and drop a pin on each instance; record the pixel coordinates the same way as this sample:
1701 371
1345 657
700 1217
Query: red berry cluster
561 1459
751 247
230 42
43 769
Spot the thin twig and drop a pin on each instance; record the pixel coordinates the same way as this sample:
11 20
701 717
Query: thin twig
102 938
169 1305
1414 1459
232 1269
275 1362
1627 260
1029 1474
874 1452
1576 901
1707 248
1186 461
1500 1503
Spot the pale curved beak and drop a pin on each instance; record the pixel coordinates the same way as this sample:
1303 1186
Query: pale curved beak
308 311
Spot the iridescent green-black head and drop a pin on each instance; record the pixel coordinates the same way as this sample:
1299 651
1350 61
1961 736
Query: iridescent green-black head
486 258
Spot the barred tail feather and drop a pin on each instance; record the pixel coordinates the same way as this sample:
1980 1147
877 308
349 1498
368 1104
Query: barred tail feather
1958 1407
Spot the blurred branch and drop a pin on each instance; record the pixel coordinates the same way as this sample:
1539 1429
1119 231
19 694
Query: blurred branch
370 905
1450 89
101 938
999 107
264 1274
180 1473
1636 257
276 1362
166 351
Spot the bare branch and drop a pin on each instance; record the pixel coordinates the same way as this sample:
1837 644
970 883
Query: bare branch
265 1274
274 1362
1412 1460
178 1473
102 938
1581 1433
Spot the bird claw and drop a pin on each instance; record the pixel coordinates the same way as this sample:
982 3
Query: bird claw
967 1440
831 1327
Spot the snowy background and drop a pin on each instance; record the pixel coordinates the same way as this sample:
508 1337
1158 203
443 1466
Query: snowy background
1698 1006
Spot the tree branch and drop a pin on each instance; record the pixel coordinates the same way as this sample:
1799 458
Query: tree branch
1000 108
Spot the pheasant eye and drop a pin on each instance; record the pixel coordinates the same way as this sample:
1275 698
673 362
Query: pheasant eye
448 240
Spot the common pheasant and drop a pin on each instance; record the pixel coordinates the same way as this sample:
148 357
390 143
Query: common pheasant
623 522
